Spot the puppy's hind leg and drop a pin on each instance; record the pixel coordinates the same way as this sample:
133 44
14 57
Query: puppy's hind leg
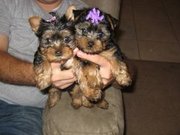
86 102
54 97
76 96
42 70
103 104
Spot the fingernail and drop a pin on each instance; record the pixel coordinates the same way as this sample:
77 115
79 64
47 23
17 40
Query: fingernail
79 53
75 50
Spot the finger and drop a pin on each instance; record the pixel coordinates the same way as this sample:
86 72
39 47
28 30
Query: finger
105 72
93 58
64 83
106 82
75 51
58 75
66 74
65 86
56 64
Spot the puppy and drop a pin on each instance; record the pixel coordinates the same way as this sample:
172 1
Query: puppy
94 34
56 44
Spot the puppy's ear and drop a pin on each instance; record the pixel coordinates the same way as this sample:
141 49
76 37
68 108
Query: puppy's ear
72 14
69 13
112 21
78 13
34 22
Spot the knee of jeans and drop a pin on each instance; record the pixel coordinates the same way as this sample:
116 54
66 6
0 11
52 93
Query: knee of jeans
21 120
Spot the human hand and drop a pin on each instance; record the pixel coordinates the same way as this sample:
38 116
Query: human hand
105 65
61 79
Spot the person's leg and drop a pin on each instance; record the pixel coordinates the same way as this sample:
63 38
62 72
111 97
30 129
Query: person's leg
20 120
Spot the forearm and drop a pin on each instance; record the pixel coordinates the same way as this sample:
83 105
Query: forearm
15 71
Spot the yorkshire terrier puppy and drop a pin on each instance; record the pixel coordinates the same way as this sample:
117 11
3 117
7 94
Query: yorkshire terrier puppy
56 44
95 34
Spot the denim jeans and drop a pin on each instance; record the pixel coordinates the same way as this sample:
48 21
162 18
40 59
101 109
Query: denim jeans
20 120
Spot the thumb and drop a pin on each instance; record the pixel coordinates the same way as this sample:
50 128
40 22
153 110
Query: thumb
55 65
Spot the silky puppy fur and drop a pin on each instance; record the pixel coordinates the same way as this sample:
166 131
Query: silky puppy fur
56 44
95 34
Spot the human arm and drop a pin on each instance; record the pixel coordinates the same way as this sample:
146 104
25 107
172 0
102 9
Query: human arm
19 72
12 69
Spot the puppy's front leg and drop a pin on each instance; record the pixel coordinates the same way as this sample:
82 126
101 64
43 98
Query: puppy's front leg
42 69
121 73
90 83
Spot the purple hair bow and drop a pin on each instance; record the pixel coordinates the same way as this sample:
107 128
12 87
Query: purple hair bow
52 19
94 16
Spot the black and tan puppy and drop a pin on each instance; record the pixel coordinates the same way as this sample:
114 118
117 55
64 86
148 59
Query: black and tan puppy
94 34
56 44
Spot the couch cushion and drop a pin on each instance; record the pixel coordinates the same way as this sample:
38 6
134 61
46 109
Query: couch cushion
64 120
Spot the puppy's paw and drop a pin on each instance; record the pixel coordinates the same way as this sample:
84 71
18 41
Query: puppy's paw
54 97
86 102
76 103
124 80
103 104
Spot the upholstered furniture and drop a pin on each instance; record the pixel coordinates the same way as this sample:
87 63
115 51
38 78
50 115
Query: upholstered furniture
64 120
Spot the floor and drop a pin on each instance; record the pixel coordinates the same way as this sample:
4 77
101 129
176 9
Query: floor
151 30
152 104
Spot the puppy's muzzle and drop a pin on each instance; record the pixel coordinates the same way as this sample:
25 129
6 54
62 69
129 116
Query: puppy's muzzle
90 44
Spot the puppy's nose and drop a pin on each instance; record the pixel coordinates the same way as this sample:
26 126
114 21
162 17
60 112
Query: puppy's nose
58 53
90 44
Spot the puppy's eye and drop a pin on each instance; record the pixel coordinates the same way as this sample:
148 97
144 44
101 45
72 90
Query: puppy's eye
84 31
100 34
48 40
67 39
